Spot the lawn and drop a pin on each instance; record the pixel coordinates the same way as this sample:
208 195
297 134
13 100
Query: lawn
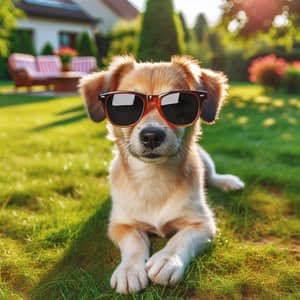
54 202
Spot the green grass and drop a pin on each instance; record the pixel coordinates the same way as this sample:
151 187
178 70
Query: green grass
54 202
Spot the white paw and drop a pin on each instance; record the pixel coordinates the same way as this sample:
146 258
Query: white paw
227 182
165 268
129 278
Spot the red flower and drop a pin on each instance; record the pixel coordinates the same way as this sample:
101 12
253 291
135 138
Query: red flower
65 53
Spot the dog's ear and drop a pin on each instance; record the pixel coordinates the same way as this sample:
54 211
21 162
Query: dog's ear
190 67
91 86
215 83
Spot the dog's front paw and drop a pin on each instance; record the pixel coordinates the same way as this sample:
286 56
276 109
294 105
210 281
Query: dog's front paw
129 278
227 182
165 268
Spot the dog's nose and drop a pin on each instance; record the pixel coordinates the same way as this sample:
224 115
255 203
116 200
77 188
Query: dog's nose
152 137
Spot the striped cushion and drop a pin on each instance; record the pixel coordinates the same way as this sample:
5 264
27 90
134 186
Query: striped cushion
84 64
48 64
23 61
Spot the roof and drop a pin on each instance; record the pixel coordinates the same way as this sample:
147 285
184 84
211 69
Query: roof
59 9
122 8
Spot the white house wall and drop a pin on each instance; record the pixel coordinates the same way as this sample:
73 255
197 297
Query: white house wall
98 10
47 30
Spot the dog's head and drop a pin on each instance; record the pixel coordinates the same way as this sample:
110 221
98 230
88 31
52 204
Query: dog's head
152 139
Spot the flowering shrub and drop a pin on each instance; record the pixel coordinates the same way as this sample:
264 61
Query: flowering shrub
296 64
267 70
65 54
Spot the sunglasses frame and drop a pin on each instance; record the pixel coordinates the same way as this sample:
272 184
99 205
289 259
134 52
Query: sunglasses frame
201 96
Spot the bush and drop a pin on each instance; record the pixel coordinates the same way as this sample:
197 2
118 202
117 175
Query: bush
47 49
21 41
126 28
291 79
161 32
3 68
126 45
267 70
236 65
123 38
86 46
199 50
217 50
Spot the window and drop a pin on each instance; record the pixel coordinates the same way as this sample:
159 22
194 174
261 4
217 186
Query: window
67 39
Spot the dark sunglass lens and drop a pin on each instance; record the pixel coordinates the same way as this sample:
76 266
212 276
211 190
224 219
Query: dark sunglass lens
180 108
124 109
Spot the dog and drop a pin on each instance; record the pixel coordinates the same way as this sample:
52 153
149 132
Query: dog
157 176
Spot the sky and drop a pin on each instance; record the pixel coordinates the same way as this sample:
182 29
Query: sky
191 8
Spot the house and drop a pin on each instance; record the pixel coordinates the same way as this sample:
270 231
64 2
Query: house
108 11
60 21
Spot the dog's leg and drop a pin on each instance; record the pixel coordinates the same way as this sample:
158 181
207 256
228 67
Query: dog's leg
225 182
167 266
130 276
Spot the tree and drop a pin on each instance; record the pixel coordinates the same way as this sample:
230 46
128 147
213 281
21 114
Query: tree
47 49
8 15
201 27
161 32
184 27
252 16
85 45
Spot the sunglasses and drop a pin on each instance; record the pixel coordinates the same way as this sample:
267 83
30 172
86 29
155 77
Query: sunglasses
177 108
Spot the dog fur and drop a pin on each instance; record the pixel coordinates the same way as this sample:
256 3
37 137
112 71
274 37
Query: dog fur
165 195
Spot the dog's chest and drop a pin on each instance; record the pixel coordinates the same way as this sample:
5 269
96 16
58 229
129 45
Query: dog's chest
153 202
153 196
155 185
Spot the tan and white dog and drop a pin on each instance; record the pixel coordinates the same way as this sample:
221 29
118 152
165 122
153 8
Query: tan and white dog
164 194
